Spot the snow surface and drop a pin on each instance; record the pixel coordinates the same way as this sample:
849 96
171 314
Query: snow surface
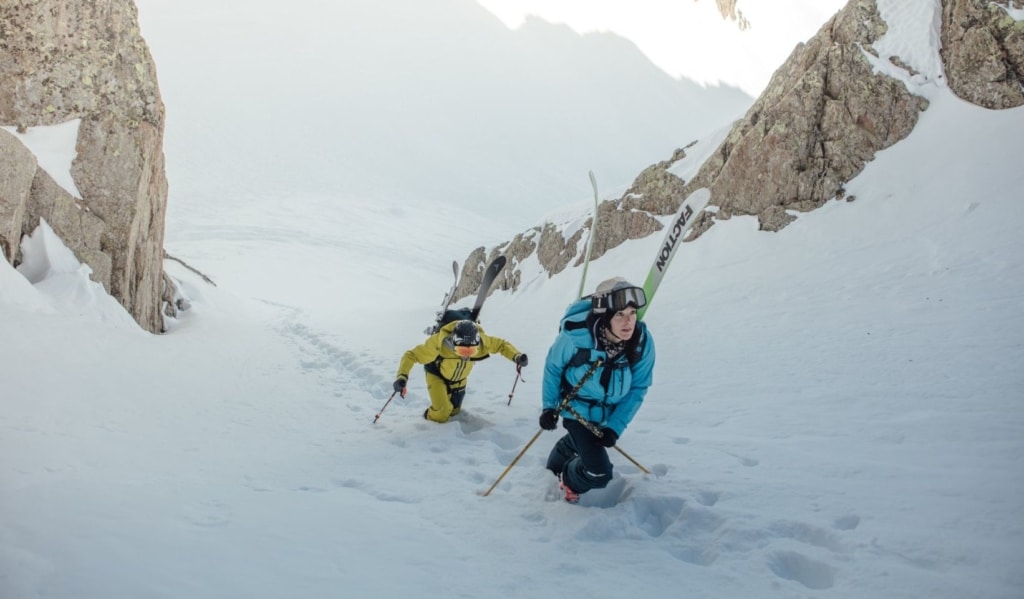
54 148
1016 13
914 36
836 409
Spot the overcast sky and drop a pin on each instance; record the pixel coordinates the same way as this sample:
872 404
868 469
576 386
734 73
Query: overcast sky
690 38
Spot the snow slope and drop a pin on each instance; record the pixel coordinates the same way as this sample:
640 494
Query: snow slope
836 409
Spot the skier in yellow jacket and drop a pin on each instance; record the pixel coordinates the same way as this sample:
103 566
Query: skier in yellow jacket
448 357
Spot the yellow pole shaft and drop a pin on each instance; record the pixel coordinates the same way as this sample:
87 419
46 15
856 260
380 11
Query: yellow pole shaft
509 467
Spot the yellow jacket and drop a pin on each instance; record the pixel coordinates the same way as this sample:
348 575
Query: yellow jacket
440 359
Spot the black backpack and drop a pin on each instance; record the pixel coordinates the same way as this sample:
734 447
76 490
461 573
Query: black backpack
453 314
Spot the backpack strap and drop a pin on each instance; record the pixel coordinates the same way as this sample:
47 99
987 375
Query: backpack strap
434 368
627 359
574 325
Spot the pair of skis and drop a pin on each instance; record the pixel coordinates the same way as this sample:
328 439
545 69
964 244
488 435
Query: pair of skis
680 227
489 277
676 233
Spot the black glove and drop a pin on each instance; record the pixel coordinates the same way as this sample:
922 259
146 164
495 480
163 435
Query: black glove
522 360
399 386
549 419
608 437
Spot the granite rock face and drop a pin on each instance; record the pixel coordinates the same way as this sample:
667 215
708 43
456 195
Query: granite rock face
17 170
62 60
822 117
983 50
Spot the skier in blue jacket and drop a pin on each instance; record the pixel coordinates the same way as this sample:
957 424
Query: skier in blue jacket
601 340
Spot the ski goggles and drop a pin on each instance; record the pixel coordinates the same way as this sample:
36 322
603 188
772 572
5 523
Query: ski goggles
465 351
618 300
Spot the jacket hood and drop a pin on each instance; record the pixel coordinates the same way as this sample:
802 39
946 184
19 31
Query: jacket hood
576 312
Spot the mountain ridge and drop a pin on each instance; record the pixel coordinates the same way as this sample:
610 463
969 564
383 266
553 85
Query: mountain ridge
828 110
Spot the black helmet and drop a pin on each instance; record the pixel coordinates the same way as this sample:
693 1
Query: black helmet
465 333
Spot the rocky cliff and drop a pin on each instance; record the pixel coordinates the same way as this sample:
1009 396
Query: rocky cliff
983 50
728 10
826 113
62 60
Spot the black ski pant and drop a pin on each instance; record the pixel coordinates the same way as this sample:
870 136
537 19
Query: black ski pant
580 459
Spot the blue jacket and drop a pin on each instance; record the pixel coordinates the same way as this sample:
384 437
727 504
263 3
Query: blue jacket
612 405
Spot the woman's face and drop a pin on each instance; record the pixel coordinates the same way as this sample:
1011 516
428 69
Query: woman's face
623 324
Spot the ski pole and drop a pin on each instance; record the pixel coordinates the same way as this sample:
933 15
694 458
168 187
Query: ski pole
590 236
513 463
561 406
375 418
597 433
630 458
519 374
